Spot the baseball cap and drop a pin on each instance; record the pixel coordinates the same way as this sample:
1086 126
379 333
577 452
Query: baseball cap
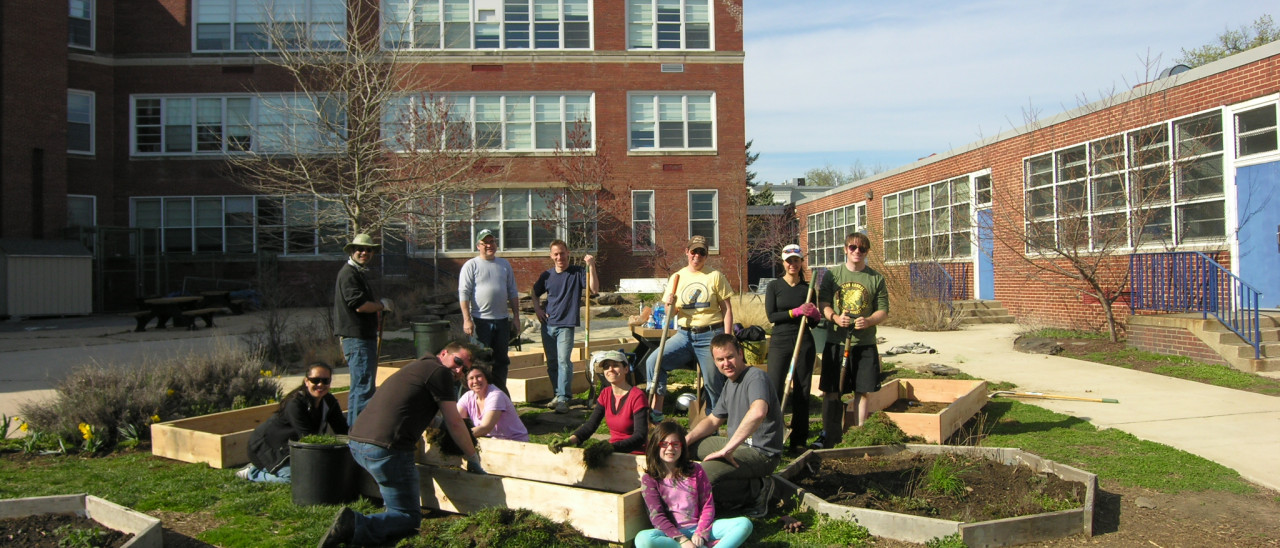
791 250
480 236
697 242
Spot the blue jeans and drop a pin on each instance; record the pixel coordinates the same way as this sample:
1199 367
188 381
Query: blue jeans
397 478
731 533
496 334
682 349
261 475
362 365
557 343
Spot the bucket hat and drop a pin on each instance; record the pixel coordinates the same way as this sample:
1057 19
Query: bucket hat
362 240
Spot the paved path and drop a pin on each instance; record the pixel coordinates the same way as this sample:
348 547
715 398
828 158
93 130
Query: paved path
1238 429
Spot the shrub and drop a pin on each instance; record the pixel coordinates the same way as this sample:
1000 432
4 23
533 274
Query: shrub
122 401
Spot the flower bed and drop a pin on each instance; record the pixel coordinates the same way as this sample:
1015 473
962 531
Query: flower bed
145 529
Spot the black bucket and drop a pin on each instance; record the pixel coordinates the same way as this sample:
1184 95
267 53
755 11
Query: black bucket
321 473
429 338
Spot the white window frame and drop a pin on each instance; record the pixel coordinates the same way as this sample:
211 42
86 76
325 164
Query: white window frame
92 19
463 108
1234 112
93 208
310 25
715 215
826 230
636 244
943 200
652 103
1170 158
465 215
654 26
400 25
92 97
265 122
282 237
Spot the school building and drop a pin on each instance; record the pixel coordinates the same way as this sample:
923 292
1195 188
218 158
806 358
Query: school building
1171 188
118 117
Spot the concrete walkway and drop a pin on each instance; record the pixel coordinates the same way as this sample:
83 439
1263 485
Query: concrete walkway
1240 430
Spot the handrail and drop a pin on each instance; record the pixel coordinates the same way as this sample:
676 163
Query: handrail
930 280
1183 281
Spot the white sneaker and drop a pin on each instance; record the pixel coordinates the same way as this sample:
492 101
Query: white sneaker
243 473
553 403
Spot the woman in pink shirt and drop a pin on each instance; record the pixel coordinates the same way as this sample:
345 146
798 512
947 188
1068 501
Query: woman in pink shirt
678 495
490 409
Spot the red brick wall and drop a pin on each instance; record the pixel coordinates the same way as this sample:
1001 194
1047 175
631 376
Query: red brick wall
1027 298
1172 340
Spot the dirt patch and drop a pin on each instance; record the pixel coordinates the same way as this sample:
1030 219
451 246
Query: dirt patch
57 530
917 406
953 487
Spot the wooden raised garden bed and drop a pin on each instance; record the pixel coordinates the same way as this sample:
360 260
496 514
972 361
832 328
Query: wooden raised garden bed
604 504
146 530
913 528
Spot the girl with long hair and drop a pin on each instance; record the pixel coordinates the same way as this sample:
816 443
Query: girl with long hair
678 495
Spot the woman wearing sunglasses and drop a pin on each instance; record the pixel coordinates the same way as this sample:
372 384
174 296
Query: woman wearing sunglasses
308 409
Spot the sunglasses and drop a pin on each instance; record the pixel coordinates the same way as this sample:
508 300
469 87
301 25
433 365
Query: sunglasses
360 249
701 252
319 380
862 248
457 362
670 444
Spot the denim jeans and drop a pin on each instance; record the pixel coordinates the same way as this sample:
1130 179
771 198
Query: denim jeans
362 365
557 343
683 349
261 475
397 478
734 487
730 533
496 334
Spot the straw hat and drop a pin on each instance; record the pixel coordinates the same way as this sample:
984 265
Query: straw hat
362 240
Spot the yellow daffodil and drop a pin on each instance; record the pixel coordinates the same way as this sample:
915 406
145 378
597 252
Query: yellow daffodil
155 418
24 427
86 430
168 392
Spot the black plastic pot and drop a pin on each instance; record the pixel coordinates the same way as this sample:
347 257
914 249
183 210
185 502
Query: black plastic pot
321 473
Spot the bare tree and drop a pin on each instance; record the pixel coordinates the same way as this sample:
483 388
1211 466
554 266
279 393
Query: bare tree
362 135
768 233
590 214
1071 216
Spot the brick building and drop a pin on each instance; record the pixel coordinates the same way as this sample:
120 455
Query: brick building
118 116
1188 162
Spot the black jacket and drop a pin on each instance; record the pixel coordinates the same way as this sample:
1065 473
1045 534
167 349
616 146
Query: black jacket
269 444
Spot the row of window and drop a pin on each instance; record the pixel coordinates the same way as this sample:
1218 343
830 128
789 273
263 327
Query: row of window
931 222
828 229
524 220
264 25
201 124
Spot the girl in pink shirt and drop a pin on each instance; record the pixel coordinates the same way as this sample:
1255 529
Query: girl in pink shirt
678 495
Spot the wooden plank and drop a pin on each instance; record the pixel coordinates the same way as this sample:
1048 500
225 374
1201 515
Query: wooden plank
539 388
533 461
610 517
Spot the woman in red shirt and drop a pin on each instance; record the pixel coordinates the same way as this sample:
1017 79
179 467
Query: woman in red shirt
624 408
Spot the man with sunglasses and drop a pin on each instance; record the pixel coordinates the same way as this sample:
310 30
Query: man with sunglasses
486 289
383 443
854 299
705 311
355 320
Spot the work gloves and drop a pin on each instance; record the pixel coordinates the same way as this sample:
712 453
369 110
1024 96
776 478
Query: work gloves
807 309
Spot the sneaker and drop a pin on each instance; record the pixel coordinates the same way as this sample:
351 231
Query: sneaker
553 403
243 473
761 507
562 407
656 416
341 531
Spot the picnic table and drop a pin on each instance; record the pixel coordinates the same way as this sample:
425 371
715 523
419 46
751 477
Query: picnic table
182 310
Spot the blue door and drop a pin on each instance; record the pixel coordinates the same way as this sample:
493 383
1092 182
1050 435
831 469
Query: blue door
1258 210
986 271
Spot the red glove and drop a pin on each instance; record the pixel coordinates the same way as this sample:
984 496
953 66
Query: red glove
806 309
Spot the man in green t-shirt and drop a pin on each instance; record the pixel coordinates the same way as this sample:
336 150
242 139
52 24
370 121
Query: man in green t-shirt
854 299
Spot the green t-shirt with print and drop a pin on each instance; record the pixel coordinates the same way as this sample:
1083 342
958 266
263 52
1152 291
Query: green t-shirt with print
858 294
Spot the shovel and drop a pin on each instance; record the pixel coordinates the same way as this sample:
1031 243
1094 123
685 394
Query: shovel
697 408
1042 395
795 352
586 341
662 343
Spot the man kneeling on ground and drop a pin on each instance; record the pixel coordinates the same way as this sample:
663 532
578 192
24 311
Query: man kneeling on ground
741 466
383 440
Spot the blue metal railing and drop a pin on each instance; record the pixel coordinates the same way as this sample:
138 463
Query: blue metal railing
930 280
1190 281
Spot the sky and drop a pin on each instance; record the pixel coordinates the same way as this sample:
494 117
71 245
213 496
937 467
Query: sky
831 82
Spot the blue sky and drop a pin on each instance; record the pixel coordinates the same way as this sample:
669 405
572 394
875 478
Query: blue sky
834 81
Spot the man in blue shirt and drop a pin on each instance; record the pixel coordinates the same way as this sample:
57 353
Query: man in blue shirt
562 285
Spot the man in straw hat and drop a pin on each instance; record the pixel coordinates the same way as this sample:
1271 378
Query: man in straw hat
355 321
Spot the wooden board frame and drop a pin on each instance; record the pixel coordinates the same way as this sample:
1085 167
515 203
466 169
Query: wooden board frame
533 461
964 398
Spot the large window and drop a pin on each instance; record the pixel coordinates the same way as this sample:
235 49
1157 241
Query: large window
704 216
642 237
80 31
929 223
1158 185
216 125
522 219
827 230
499 122
265 25
80 121
672 121
668 24
82 210
480 24
1256 131
238 224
